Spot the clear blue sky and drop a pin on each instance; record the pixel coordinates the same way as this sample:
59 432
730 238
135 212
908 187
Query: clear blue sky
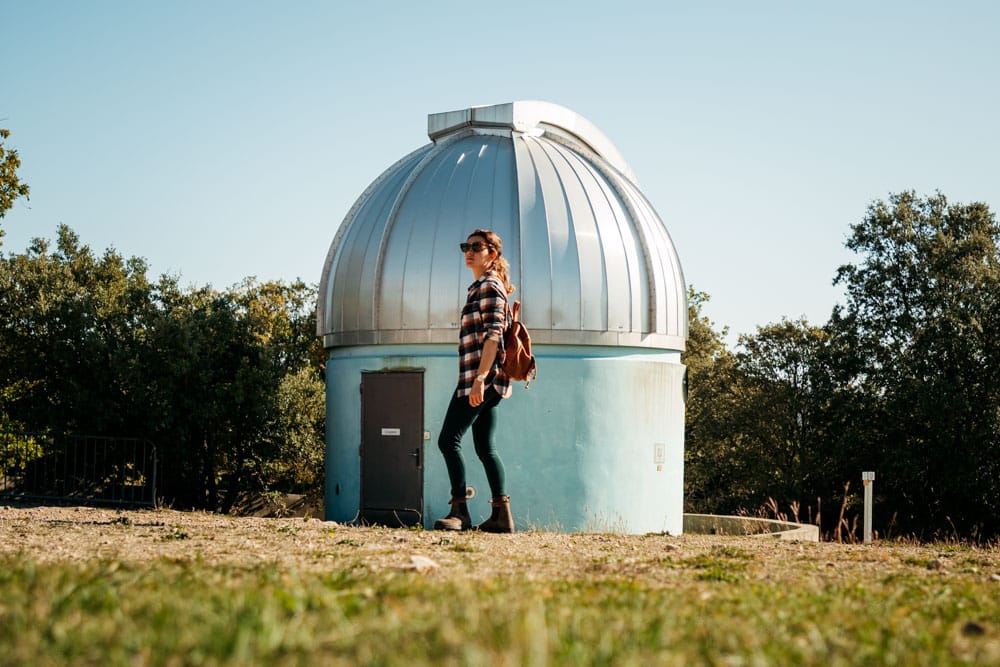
221 140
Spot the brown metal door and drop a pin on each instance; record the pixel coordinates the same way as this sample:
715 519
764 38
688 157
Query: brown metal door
392 448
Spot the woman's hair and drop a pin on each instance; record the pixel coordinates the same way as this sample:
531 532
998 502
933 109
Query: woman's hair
500 266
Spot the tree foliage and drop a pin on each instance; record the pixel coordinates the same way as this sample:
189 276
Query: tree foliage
921 334
762 425
11 187
90 345
708 480
904 379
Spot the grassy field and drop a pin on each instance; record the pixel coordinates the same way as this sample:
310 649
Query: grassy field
98 587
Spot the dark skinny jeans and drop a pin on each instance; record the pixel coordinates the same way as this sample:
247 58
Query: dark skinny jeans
482 419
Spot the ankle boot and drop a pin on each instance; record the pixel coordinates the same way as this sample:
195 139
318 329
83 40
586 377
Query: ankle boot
458 518
500 520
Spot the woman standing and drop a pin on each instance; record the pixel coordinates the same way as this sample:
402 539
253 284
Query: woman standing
482 383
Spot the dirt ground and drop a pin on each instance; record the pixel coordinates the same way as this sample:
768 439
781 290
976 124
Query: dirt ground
48 534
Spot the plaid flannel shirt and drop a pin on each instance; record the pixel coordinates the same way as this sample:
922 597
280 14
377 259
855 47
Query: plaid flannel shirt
484 316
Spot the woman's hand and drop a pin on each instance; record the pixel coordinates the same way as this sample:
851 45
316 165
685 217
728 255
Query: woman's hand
478 390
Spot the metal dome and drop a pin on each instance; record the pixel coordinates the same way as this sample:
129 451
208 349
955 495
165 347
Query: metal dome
592 261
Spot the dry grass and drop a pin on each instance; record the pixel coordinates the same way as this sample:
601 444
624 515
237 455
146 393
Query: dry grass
599 597
49 534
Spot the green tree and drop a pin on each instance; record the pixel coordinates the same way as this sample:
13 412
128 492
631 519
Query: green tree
793 449
919 338
759 431
238 358
68 336
89 345
298 464
711 395
11 187
288 449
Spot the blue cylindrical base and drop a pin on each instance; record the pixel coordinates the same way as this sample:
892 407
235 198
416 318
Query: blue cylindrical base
595 444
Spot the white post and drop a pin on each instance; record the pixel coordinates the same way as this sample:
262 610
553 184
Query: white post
868 478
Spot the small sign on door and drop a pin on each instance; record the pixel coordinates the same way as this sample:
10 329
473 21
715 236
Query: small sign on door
390 431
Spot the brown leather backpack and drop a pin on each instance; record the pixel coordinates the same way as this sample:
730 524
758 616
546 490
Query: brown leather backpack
518 362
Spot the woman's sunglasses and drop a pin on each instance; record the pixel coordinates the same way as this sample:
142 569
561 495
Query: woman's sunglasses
474 247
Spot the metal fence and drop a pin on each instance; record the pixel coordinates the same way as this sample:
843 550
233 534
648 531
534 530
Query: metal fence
78 468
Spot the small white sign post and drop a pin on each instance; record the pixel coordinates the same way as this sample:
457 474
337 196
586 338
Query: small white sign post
868 479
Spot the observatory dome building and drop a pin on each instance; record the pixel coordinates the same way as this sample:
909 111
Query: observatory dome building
596 442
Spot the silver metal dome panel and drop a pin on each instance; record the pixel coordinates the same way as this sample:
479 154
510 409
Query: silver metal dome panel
592 261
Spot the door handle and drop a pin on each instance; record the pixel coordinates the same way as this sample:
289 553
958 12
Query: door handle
415 453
